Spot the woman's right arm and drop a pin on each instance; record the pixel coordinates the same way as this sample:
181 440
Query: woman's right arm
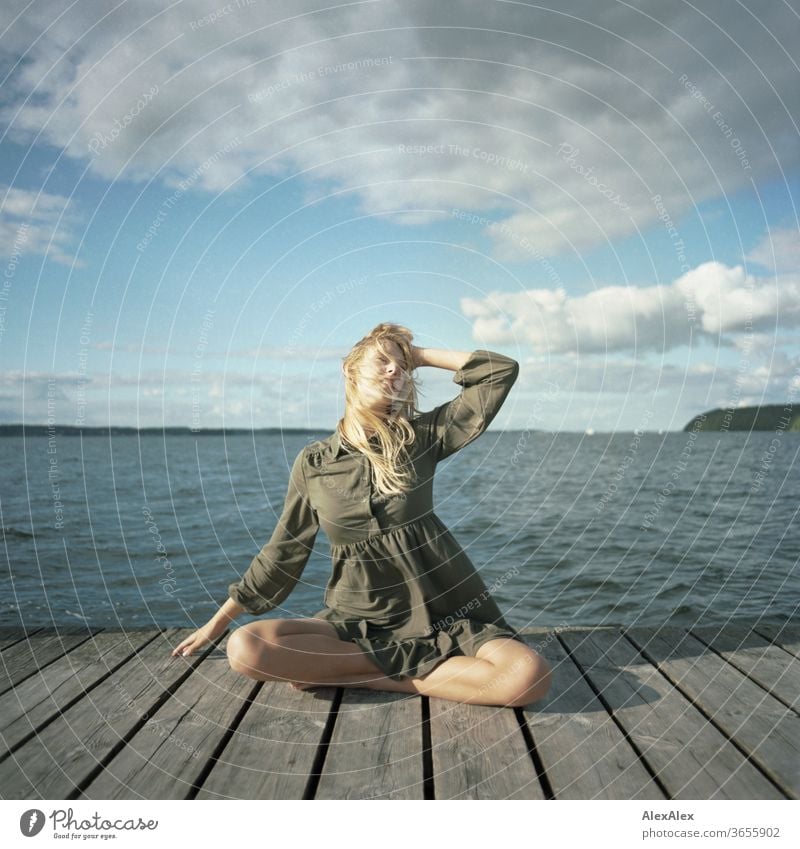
274 571
213 629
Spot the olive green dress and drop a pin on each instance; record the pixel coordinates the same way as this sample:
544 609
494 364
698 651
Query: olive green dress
401 588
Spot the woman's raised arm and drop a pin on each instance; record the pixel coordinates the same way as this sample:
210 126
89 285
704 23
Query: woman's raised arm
486 378
439 358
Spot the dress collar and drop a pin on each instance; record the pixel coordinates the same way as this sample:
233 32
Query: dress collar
333 446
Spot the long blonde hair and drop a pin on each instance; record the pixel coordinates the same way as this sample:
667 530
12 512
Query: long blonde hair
391 472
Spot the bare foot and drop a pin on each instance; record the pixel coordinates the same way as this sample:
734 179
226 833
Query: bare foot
301 685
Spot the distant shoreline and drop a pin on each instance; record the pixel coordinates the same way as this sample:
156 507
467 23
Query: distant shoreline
117 430
774 417
781 417
120 430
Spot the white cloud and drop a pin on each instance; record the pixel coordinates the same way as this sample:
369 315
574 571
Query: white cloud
778 250
712 301
148 90
37 223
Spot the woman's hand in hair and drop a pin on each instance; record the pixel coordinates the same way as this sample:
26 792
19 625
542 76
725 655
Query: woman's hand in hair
441 358
417 356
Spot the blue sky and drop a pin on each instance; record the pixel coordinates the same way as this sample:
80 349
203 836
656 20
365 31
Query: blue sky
206 204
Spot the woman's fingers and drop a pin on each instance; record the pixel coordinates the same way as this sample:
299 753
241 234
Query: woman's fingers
184 648
192 642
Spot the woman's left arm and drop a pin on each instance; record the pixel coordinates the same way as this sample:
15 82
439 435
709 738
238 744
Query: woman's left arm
439 358
486 378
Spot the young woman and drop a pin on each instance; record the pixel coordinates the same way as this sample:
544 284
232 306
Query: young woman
405 609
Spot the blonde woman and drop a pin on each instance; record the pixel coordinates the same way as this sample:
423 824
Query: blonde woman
405 609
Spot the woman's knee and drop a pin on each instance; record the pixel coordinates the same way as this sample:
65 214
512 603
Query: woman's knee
526 681
255 647
247 645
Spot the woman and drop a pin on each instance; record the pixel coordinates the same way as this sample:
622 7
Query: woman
405 610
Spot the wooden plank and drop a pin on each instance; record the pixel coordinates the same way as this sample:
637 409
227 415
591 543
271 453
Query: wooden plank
376 748
584 753
687 754
11 634
786 636
168 754
765 729
272 751
27 657
69 750
29 706
767 665
479 753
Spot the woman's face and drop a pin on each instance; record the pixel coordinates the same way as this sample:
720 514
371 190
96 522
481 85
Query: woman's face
382 379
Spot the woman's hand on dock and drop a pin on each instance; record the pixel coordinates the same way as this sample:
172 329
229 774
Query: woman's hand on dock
201 637
214 628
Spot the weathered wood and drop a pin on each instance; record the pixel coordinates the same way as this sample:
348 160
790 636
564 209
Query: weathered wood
767 665
98 718
168 754
584 753
69 750
765 729
376 748
50 691
479 752
786 636
272 751
690 757
27 657
11 634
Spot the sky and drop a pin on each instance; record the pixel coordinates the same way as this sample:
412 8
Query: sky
205 205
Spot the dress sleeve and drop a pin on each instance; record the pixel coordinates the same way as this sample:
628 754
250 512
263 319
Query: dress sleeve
275 570
487 378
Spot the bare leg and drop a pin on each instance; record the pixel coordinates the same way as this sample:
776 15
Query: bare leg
305 651
308 652
504 672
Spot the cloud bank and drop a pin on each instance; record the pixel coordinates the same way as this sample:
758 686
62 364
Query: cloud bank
711 303
562 122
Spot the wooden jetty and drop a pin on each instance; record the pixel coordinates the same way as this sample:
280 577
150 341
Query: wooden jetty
634 713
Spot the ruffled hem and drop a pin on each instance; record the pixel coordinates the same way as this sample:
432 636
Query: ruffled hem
415 656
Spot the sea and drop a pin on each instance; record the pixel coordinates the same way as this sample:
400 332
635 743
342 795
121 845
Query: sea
566 529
